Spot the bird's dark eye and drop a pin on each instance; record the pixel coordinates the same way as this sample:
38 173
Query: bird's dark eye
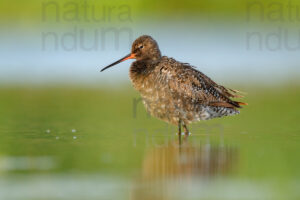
141 46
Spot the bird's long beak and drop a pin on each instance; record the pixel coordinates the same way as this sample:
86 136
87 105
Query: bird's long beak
129 56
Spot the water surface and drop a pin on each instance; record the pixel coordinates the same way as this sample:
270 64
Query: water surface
68 143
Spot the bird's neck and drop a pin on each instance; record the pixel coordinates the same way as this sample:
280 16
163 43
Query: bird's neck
140 69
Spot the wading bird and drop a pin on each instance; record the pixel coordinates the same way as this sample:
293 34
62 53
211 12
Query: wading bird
176 92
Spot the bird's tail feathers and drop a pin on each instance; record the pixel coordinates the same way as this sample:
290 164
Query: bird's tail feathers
242 103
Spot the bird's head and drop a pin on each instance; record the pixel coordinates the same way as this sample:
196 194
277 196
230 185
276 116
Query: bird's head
143 48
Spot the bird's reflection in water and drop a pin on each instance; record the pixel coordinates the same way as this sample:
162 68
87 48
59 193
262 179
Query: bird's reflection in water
170 168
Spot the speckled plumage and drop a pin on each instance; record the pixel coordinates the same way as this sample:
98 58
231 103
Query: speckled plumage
176 92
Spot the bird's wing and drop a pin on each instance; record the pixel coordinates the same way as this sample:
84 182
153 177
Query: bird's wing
185 81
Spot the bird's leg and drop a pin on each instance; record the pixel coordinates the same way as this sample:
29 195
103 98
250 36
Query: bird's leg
186 130
179 131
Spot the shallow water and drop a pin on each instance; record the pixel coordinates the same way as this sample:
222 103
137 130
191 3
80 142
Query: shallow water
65 143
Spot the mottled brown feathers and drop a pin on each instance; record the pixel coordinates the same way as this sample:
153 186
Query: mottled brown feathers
187 81
172 90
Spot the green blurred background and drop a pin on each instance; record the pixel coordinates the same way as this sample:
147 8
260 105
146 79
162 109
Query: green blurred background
70 132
